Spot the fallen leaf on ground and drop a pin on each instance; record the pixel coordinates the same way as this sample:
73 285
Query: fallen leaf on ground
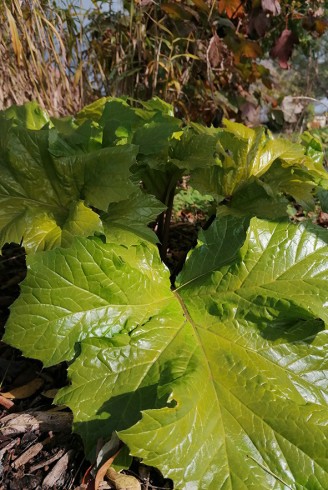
4 402
24 391
103 470
122 481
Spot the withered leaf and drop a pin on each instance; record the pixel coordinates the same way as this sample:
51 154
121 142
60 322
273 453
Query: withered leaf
283 48
259 23
214 51
272 6
231 8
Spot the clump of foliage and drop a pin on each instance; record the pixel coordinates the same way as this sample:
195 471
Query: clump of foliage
216 377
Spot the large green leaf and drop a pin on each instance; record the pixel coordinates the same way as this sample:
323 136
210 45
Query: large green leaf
322 195
256 199
133 214
29 115
243 154
46 184
313 146
221 384
149 127
192 150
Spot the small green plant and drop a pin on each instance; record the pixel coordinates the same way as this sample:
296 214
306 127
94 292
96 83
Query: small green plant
218 380
190 200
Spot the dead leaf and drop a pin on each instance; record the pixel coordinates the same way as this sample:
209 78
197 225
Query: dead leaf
320 12
50 393
144 3
250 49
258 24
201 4
17 45
250 113
24 391
232 8
4 402
101 473
272 6
122 481
177 11
87 477
320 26
291 108
323 219
283 48
214 51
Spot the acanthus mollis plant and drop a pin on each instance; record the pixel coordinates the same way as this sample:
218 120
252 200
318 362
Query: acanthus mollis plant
219 381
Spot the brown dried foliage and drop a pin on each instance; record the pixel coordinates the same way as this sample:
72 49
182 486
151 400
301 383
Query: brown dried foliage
200 55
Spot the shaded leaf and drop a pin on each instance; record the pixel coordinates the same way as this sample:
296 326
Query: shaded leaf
133 214
258 24
153 137
255 199
194 150
322 195
221 241
283 48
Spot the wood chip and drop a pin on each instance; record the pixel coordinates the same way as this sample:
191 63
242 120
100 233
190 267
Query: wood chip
36 421
10 445
48 461
56 477
27 455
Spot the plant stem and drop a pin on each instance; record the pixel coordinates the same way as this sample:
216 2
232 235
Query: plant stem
209 221
166 224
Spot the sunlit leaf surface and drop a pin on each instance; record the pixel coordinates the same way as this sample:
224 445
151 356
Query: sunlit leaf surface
221 383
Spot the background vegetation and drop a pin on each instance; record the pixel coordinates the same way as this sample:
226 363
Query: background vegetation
209 58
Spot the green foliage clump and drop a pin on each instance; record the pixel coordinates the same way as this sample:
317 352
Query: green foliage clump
219 380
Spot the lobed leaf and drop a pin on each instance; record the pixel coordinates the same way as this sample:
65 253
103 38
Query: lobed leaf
220 384
46 184
246 158
29 116
133 214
